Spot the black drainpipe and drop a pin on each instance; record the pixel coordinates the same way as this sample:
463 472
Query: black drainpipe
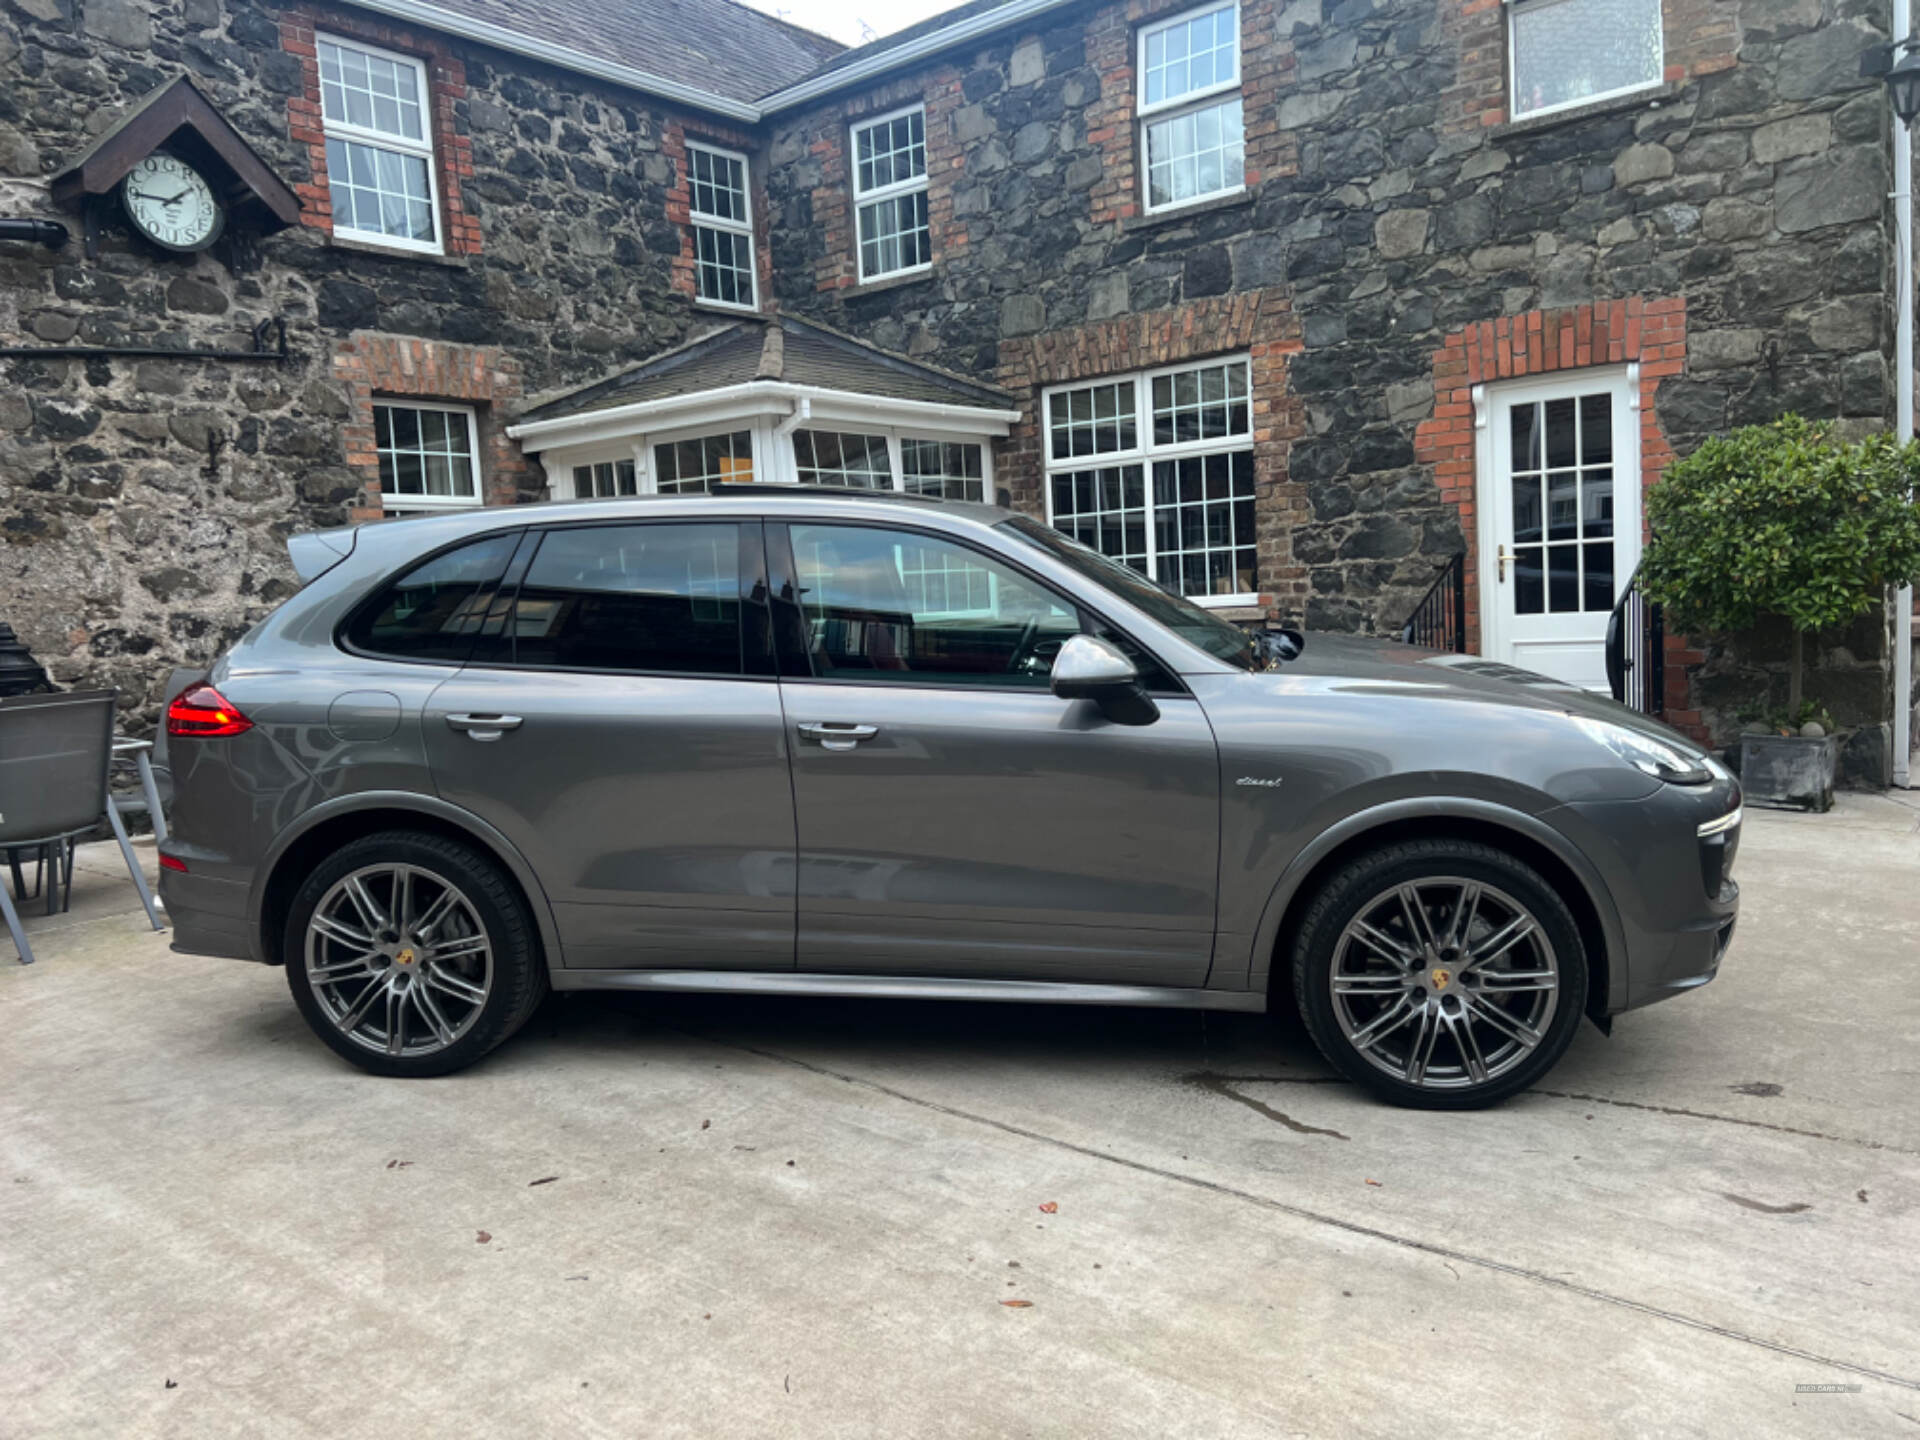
50 233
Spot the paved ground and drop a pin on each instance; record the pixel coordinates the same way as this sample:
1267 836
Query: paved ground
718 1217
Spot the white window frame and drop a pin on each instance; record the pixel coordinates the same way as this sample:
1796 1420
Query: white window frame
1514 112
1145 452
697 221
380 139
390 504
863 198
1190 100
893 434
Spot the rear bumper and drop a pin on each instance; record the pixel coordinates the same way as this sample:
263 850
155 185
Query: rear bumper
209 916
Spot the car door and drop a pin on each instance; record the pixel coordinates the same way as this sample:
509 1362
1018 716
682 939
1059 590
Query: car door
621 724
955 817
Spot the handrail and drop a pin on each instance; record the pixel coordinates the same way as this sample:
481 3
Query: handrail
1439 621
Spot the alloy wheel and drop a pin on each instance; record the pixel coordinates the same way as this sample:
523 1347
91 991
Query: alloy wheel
398 960
1444 983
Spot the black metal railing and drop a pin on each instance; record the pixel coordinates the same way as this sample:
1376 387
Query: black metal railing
1439 621
1637 652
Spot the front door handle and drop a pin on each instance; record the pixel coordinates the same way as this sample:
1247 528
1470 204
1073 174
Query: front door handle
834 735
484 727
1503 557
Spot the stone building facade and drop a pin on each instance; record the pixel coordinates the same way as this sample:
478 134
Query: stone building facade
1446 230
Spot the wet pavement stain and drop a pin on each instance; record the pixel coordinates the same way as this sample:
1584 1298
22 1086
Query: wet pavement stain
1765 1209
1765 1089
1222 1085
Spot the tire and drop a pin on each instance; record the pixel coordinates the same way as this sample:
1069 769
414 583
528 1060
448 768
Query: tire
425 997
1422 1020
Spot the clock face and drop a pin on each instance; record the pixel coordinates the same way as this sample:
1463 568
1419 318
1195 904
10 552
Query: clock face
171 204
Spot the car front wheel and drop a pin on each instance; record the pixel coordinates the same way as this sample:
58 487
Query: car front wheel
1441 974
412 954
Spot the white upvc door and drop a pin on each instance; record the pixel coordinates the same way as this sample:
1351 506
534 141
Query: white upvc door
1559 518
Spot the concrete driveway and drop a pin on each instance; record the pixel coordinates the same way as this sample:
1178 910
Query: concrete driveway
724 1217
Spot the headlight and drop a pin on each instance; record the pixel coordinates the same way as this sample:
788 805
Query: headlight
1654 757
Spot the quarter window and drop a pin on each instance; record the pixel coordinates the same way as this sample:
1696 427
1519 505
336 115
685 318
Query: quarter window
1156 471
722 227
632 597
1569 52
428 456
375 113
435 610
890 194
898 607
1190 110
696 466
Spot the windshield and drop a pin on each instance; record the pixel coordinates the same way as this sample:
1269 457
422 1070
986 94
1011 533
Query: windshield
1180 615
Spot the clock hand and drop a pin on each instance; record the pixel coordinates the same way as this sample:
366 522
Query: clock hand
176 199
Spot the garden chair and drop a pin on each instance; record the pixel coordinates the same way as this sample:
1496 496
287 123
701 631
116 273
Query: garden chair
149 759
56 752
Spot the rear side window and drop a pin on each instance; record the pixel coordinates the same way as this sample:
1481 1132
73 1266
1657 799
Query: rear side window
660 597
435 610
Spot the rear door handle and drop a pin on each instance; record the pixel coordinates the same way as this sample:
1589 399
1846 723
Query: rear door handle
484 727
834 735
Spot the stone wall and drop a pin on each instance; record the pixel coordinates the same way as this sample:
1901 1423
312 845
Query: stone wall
1397 205
144 504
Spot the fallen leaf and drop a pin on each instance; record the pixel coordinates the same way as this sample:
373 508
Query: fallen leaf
543 1180
789 1162
1018 1304
481 1238
706 1124
1373 1182
1051 1207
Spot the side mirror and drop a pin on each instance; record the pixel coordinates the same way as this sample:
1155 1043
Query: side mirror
1089 668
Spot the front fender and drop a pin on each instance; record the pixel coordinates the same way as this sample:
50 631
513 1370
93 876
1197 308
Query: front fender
1288 888
477 829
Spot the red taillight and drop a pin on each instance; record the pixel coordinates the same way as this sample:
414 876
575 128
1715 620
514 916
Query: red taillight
200 711
168 862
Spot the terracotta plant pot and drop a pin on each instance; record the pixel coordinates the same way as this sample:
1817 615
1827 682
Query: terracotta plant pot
1788 772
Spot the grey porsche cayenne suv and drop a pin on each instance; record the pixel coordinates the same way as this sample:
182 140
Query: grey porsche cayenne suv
812 742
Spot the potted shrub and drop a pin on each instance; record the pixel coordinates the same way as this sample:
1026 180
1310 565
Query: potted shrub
1783 520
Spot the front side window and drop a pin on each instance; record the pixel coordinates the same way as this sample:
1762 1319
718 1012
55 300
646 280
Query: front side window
900 607
687 467
436 609
1568 52
890 194
722 227
605 480
845 461
656 597
1156 472
428 456
376 115
1190 110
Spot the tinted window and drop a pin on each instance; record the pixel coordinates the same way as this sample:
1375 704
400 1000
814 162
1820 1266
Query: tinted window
633 597
892 605
435 610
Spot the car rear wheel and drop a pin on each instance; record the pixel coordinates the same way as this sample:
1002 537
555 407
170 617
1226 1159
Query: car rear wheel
1440 974
412 954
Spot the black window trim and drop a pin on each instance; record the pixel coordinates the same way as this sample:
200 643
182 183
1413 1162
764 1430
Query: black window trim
796 661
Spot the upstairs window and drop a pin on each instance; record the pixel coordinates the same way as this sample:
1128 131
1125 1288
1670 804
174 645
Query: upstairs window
1571 52
722 227
890 194
1190 118
375 112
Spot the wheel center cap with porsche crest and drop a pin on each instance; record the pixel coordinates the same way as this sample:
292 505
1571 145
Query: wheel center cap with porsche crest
1440 978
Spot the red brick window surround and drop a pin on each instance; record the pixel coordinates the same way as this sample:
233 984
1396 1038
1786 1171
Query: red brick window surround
374 368
1113 121
683 269
446 87
1699 37
1649 332
1257 323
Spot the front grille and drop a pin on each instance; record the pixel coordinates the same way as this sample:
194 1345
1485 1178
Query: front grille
1722 938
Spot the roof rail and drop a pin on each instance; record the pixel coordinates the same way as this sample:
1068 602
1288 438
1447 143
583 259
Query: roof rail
833 492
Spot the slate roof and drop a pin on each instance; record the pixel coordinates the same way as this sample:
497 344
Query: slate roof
795 351
898 38
713 45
